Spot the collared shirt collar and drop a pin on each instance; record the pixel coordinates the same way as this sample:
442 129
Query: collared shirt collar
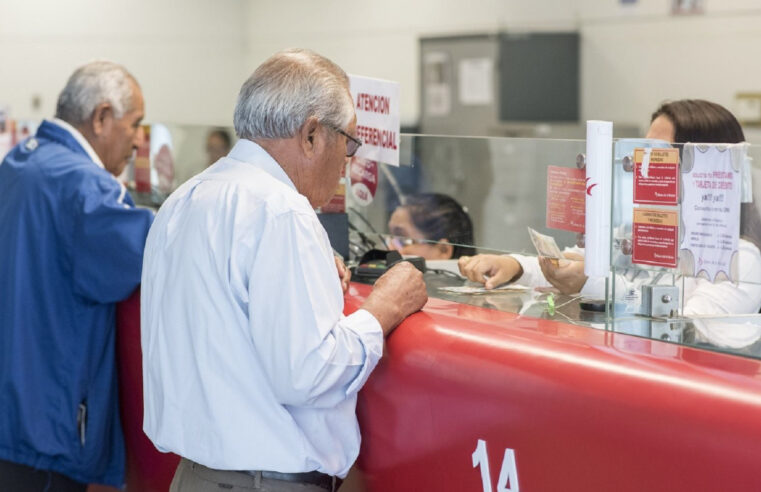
251 152
80 140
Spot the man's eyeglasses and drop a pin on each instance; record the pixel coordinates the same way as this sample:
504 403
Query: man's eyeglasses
352 143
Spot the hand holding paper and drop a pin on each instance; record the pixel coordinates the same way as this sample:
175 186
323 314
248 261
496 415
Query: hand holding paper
567 275
545 245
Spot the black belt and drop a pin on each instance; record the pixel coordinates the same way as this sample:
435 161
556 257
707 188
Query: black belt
230 478
323 480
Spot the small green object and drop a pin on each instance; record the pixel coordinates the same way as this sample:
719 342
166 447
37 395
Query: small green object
551 304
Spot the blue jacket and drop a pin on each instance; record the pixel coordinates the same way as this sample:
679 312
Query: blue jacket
71 246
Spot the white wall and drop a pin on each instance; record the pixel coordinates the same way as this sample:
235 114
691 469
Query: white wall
192 55
187 55
380 39
633 57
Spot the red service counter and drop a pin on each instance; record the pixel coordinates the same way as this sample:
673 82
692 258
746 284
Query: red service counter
475 399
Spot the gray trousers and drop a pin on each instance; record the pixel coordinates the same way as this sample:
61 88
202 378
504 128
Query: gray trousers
192 477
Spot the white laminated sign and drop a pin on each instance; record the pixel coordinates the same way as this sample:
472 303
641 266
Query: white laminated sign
376 103
711 210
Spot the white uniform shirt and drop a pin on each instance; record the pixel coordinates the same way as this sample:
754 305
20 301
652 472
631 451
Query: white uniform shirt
701 297
248 361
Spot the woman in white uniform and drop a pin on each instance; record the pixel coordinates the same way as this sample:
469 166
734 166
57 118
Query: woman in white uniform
679 121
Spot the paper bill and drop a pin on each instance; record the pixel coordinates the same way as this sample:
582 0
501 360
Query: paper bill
467 289
545 245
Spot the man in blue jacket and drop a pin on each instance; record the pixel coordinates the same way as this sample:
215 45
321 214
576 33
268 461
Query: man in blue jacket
71 245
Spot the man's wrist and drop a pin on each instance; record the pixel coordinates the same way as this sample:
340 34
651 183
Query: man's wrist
385 312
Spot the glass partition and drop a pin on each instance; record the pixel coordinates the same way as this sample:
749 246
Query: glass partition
685 237
507 186
501 182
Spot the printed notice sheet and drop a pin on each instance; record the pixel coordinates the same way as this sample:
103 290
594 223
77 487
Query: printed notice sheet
711 210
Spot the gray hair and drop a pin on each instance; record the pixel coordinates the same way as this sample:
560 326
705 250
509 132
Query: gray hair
93 84
289 88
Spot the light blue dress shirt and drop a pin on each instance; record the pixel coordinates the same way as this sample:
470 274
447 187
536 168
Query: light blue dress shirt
248 361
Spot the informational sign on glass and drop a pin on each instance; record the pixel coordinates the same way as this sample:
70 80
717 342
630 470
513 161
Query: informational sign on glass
656 176
566 198
711 210
655 234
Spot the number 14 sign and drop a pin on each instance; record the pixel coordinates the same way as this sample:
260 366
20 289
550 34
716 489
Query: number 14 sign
508 475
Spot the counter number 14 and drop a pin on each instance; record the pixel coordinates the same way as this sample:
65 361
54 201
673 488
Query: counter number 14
508 475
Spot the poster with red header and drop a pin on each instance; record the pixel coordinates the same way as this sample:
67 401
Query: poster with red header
566 198
655 235
656 176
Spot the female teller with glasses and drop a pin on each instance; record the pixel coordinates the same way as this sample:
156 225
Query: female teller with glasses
431 225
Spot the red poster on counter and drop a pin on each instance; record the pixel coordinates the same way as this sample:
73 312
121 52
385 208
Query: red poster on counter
566 198
654 237
656 176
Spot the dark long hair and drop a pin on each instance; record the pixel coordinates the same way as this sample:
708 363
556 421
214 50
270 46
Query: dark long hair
438 217
700 121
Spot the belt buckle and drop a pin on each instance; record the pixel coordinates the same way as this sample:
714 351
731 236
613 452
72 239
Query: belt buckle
328 482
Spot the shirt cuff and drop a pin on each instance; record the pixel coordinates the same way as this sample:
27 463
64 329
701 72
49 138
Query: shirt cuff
594 287
532 274
369 331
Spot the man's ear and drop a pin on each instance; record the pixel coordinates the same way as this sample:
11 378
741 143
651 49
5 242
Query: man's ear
101 118
308 136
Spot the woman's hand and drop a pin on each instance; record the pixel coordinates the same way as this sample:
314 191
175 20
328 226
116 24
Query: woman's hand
567 275
490 270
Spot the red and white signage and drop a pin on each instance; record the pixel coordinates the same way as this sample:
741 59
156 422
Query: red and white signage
566 198
376 103
655 235
363 175
656 176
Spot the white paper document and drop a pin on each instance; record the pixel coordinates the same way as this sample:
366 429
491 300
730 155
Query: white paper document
711 210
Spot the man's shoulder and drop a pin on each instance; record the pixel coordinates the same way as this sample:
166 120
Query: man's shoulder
255 186
48 163
57 159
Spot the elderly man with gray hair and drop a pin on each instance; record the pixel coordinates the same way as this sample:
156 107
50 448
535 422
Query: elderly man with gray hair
72 243
251 370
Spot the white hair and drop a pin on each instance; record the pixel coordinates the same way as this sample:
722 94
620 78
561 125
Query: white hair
93 84
289 88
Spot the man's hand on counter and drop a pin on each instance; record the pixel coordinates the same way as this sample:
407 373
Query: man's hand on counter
397 293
